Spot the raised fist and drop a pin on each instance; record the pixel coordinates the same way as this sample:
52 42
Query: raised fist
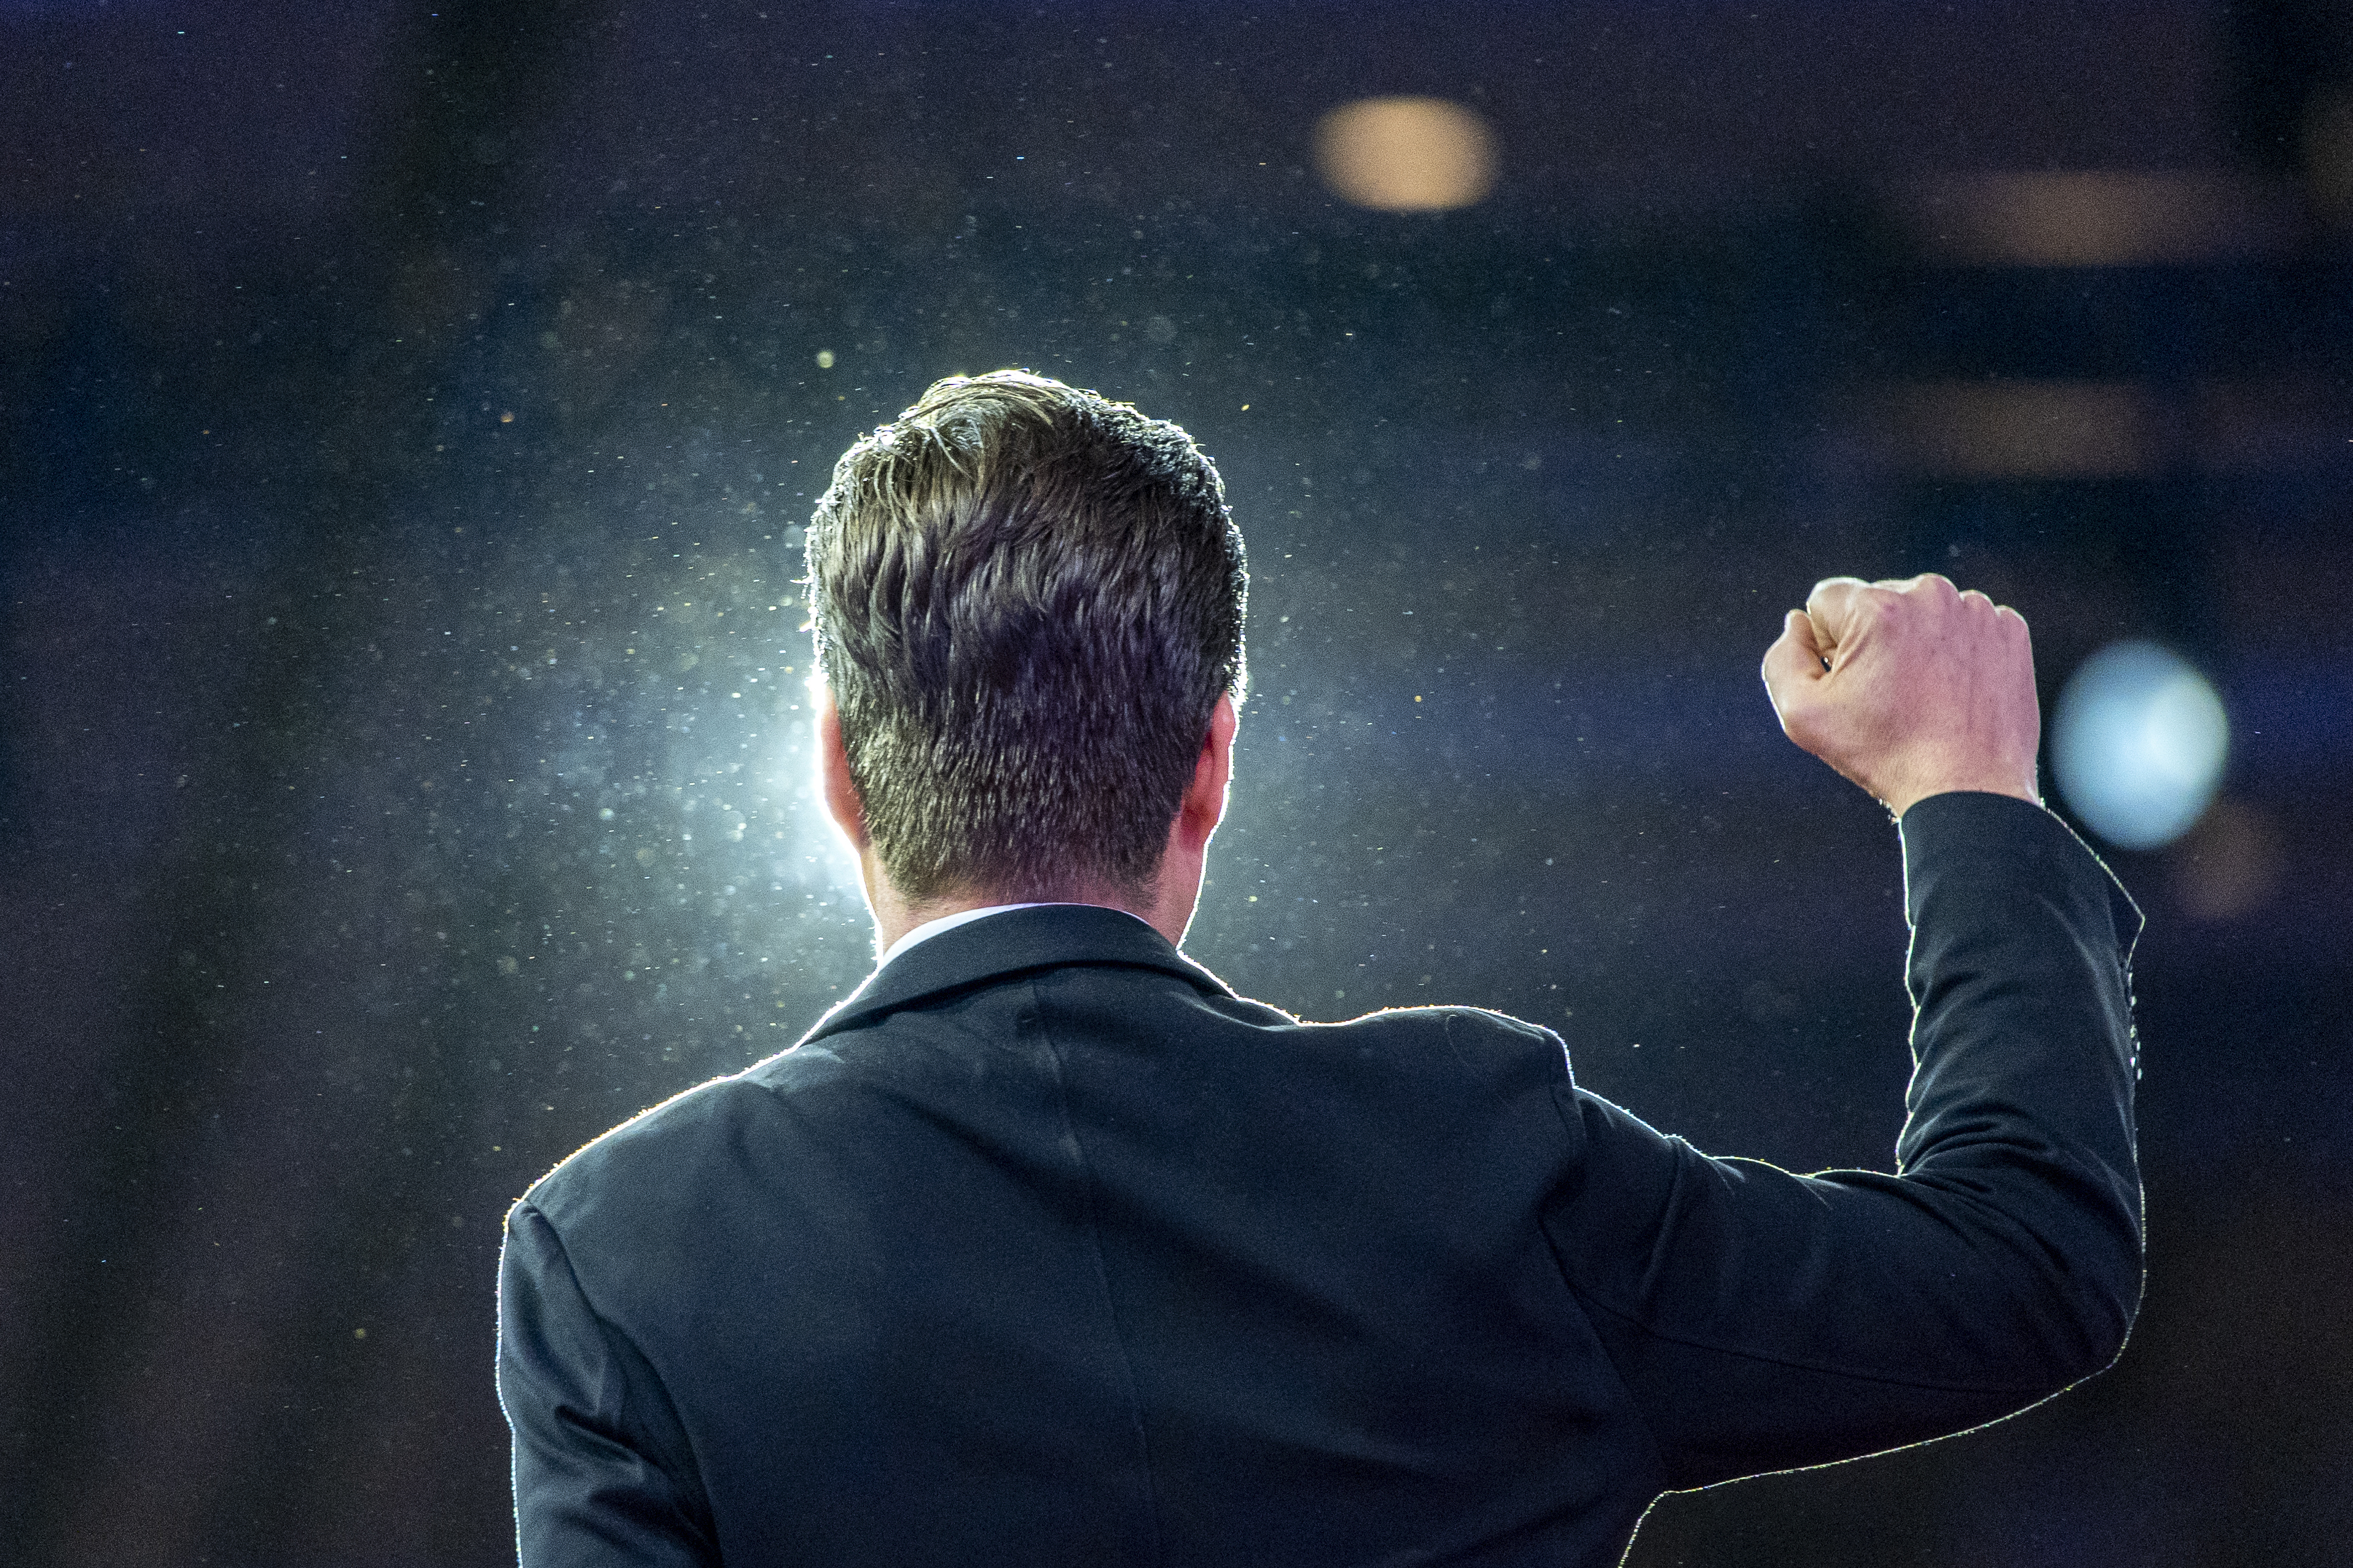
1909 688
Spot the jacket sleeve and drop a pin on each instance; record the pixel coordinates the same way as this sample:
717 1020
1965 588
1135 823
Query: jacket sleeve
1763 1321
603 1472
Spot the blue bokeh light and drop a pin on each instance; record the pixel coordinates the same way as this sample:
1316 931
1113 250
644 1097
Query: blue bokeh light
2138 744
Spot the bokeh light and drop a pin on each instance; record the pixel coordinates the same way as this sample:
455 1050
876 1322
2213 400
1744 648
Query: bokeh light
2229 865
2097 217
2138 744
2024 429
1405 154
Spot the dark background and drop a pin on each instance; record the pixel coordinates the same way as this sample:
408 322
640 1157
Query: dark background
406 417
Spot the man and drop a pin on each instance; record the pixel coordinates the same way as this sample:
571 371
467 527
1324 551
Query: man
1045 1248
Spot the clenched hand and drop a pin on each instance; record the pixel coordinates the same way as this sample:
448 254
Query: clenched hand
1909 688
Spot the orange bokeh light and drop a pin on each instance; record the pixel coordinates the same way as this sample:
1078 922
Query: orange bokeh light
1405 154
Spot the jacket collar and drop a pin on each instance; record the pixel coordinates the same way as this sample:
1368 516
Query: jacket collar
1001 946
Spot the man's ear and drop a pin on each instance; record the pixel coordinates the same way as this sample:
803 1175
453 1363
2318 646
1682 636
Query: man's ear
842 802
1204 804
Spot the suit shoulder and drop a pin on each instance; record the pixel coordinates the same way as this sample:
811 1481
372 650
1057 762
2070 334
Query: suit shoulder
663 1144
1476 1038
1474 1022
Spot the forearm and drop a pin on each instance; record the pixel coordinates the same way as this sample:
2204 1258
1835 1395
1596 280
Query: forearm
2022 1090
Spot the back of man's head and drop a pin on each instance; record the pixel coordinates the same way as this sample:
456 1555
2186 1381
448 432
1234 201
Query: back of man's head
1028 600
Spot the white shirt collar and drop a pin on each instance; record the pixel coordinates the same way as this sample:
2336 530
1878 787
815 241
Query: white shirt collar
931 929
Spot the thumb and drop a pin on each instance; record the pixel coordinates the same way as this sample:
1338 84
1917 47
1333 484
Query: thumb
1793 664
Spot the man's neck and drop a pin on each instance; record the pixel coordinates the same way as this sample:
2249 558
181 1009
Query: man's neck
1166 906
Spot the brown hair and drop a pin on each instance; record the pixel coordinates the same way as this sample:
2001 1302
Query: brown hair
1028 599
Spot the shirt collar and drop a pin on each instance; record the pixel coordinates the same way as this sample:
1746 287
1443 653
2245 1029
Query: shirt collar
1040 936
931 929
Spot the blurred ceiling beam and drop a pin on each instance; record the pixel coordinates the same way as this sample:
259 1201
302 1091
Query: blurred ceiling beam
2100 217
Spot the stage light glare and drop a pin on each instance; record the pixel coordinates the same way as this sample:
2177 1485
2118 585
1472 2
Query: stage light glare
2138 743
1405 154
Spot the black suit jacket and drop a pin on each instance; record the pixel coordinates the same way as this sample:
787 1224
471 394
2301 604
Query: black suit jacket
1046 1248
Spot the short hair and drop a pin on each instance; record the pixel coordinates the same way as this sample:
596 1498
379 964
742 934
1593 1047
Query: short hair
1028 600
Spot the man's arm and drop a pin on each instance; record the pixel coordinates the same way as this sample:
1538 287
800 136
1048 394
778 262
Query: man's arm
603 1472
1763 1320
